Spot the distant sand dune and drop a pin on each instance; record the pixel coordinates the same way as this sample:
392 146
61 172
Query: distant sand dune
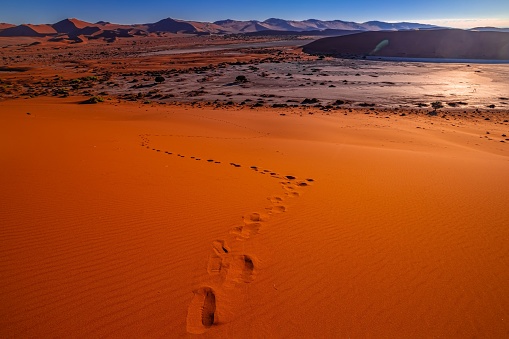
448 43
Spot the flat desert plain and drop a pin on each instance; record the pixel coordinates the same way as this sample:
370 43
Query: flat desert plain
171 219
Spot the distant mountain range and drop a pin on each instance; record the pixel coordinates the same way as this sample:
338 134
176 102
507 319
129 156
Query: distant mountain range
78 30
75 27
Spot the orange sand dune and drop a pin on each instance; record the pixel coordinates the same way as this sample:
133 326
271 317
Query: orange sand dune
4 25
28 30
124 220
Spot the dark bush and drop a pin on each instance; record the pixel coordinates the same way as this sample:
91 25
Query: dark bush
241 78
436 105
93 100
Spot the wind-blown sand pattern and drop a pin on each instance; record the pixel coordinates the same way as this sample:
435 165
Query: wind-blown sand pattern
230 267
129 220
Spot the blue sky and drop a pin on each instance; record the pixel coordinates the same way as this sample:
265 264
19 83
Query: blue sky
454 13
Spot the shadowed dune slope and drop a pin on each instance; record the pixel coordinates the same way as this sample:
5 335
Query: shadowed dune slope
446 43
29 30
70 25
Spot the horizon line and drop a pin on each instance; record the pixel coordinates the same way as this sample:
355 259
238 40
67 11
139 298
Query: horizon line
442 23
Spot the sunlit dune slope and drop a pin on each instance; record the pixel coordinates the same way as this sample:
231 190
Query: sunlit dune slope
127 220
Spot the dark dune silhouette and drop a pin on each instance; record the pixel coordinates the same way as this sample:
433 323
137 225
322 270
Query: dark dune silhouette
5 25
29 30
70 25
443 43
170 25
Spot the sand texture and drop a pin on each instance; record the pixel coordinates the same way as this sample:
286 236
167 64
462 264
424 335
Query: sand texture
158 220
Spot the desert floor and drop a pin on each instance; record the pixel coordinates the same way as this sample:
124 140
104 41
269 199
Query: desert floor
170 219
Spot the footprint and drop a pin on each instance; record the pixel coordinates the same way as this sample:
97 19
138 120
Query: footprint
277 209
247 268
256 217
240 269
215 265
220 247
288 186
275 199
247 231
201 314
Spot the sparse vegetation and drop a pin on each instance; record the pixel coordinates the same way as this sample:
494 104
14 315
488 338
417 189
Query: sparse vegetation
309 101
241 79
437 105
93 100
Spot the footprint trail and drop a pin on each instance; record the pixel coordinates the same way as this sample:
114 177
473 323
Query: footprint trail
228 267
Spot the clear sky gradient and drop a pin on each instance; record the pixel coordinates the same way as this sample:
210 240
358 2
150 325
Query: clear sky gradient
452 13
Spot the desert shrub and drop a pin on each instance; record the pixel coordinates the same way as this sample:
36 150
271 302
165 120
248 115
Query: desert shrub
93 100
309 101
241 78
436 105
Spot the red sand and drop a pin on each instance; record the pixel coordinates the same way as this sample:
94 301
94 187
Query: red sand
402 233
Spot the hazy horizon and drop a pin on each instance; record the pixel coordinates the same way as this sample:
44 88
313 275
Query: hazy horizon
454 13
